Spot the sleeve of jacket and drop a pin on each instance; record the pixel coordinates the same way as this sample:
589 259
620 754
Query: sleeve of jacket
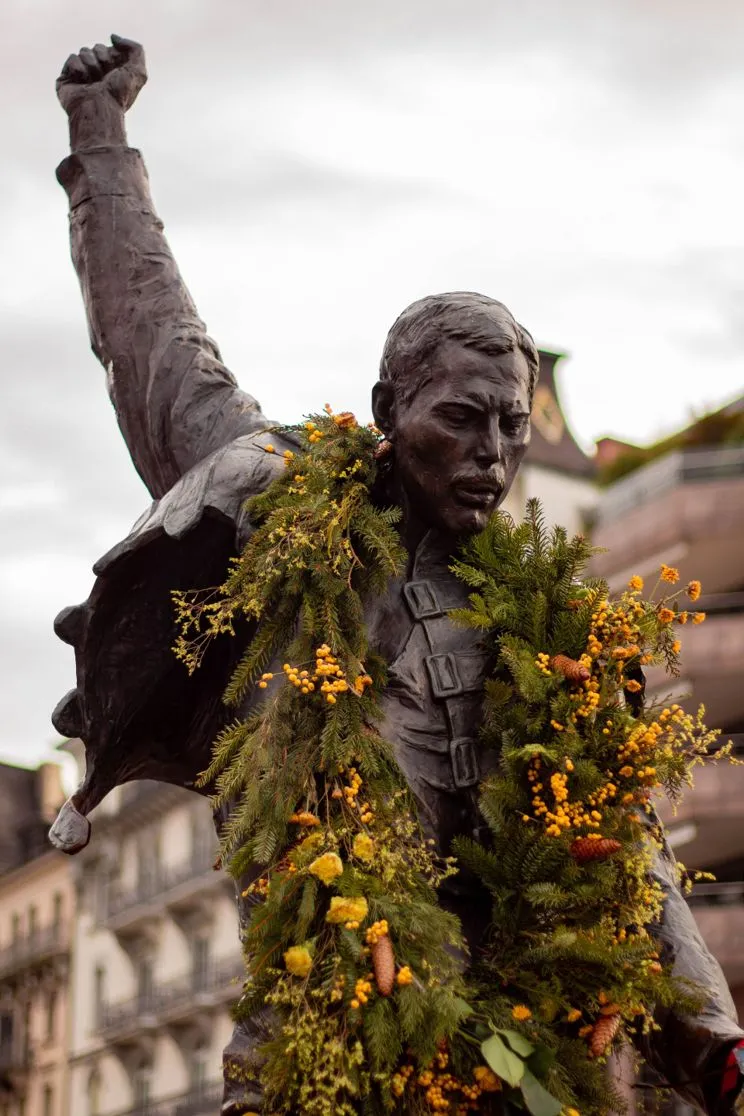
175 400
686 1048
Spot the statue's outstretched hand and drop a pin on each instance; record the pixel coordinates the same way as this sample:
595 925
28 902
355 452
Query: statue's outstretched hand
118 69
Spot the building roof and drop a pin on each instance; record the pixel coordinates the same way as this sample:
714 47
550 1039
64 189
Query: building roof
28 800
553 445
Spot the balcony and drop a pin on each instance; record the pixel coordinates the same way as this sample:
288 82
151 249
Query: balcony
719 913
686 508
174 1002
707 829
176 888
34 950
204 1101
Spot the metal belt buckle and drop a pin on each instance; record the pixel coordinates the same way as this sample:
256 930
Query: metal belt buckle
464 761
421 599
444 675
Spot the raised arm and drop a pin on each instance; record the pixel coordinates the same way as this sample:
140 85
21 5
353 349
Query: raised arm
174 399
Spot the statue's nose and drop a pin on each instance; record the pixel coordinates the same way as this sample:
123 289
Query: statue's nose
71 831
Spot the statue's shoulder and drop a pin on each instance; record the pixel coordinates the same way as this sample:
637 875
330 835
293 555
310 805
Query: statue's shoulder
218 486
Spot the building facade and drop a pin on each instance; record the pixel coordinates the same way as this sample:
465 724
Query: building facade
157 959
685 507
36 913
555 469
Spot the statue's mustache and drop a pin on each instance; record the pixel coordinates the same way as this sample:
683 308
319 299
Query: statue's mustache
492 480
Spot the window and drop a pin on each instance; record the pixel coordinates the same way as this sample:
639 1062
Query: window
57 910
200 962
145 984
99 995
142 1085
51 1014
47 1104
16 927
198 1073
33 921
94 1093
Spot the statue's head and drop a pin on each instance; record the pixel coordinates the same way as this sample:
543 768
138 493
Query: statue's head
454 398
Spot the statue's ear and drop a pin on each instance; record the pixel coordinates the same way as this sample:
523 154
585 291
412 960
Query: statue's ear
383 407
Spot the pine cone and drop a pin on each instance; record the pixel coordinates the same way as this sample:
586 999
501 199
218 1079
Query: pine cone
603 1033
584 849
383 963
571 669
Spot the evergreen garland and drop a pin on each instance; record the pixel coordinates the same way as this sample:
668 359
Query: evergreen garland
348 945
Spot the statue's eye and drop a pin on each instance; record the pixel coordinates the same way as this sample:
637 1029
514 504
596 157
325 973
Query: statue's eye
457 415
513 425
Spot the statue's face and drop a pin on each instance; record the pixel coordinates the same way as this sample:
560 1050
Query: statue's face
459 441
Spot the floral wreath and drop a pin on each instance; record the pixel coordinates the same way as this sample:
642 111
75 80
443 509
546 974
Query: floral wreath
347 943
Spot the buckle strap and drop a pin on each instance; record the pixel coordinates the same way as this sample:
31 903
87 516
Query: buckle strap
421 598
464 758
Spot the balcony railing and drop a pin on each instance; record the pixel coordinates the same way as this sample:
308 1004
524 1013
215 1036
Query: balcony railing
162 879
211 985
202 1101
717 894
33 949
691 466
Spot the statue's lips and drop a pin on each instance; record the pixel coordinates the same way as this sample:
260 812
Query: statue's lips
477 495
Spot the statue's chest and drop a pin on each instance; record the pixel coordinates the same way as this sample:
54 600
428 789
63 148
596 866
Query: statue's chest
436 669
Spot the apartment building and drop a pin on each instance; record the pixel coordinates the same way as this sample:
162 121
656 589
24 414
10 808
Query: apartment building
682 503
157 962
36 909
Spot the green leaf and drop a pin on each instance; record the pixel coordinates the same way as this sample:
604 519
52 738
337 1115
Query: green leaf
538 1100
519 1044
503 1062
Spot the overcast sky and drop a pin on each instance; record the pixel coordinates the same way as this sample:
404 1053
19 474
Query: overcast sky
319 166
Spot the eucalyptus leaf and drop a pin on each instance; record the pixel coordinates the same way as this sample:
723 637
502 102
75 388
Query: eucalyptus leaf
519 1044
504 1063
537 1098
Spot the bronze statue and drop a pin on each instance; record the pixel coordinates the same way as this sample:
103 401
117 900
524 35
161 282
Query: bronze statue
453 399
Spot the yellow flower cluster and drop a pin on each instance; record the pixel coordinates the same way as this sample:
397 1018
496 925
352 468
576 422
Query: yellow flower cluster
327 867
404 976
347 909
363 847
565 814
258 887
300 679
669 573
400 1079
635 584
326 668
376 931
542 662
305 818
298 961
315 434
362 992
351 792
521 1012
694 589
443 1092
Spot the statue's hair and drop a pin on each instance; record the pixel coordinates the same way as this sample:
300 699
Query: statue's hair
474 320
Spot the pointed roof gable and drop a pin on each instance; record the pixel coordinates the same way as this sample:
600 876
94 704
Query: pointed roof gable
553 445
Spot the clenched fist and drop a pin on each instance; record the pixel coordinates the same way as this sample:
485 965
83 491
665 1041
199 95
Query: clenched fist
118 70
